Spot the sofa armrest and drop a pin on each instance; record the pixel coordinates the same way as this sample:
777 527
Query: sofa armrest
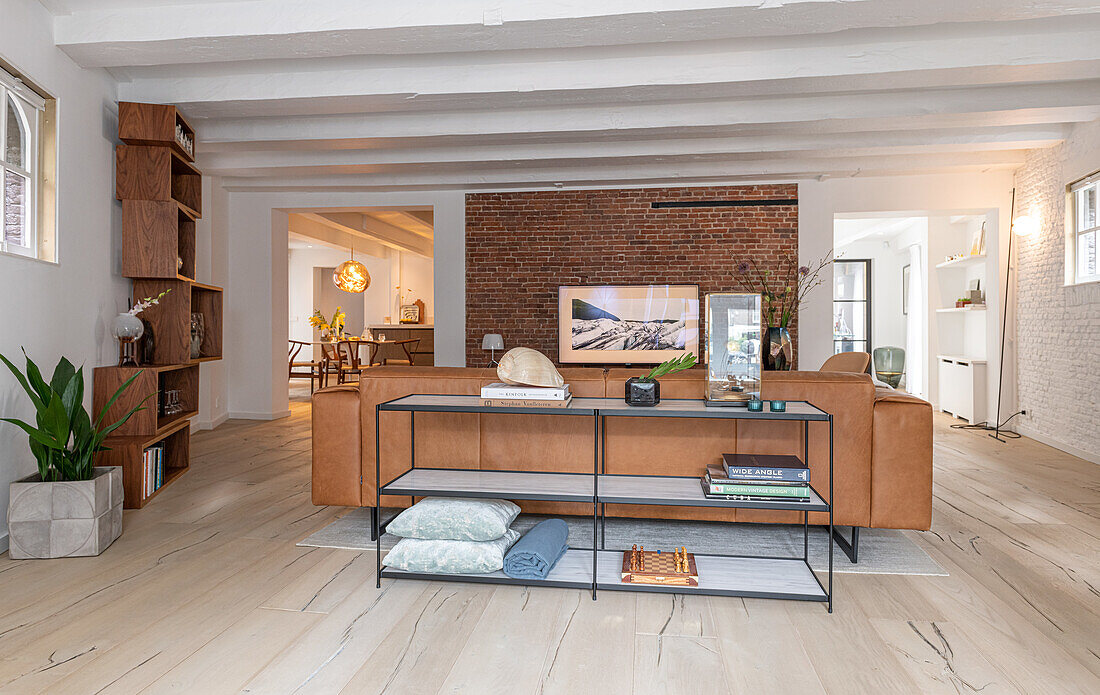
901 461
337 447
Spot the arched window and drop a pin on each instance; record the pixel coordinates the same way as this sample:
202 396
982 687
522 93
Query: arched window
19 119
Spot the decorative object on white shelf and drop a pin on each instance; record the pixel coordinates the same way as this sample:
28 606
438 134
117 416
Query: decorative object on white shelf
523 366
492 342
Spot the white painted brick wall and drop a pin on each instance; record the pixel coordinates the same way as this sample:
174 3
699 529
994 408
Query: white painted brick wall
1057 326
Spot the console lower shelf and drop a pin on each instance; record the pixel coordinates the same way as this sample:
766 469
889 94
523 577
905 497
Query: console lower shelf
719 575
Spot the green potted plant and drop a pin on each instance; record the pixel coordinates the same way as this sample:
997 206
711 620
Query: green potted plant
646 390
70 507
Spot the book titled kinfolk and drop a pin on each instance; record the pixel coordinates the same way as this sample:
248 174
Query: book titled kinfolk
765 467
527 393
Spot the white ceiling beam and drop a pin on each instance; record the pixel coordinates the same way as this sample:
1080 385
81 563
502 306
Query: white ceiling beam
881 105
383 233
518 72
266 162
410 220
313 228
104 33
659 172
254 140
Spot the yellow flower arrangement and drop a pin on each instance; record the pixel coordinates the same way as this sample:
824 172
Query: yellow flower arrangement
335 327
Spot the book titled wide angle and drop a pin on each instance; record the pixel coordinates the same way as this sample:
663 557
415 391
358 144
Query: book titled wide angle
765 467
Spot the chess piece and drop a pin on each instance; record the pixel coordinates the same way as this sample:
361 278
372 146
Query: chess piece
641 559
634 558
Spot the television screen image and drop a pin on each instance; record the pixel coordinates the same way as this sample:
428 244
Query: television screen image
627 324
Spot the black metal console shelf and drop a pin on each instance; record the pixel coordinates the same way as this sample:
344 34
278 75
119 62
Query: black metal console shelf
598 568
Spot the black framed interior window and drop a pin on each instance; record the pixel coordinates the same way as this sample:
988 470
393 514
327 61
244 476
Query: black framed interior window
852 306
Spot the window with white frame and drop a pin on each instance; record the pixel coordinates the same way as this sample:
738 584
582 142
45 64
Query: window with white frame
20 116
1085 228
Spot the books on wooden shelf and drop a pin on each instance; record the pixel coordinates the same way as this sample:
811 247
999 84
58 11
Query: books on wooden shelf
152 460
503 395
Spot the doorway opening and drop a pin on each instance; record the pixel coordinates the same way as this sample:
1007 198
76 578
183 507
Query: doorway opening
914 285
391 321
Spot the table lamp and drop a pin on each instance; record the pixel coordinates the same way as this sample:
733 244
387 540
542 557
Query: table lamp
492 342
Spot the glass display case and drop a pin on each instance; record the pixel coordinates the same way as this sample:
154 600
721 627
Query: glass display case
733 348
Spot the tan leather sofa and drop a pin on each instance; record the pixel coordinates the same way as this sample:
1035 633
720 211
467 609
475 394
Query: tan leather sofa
882 442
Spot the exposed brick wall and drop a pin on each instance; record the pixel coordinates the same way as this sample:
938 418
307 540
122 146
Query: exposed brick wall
1057 326
521 246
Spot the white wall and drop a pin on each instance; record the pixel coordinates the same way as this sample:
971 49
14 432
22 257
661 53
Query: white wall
212 267
64 309
301 304
256 295
1059 325
976 193
418 274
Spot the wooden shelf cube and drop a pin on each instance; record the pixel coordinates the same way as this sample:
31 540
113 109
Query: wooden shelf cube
157 173
127 452
170 320
207 300
154 124
157 237
151 379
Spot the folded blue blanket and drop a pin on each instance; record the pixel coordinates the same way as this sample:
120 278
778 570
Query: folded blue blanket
536 553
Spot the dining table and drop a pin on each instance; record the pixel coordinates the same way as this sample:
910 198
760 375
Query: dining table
377 345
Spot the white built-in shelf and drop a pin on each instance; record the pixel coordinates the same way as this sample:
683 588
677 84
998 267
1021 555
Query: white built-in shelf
962 358
962 262
961 310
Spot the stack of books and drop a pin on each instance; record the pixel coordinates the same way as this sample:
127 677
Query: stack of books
152 460
758 478
503 395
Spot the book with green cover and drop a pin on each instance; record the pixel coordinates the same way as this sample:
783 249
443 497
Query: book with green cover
760 490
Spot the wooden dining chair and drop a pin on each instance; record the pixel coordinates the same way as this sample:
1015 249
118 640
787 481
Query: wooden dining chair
409 346
301 369
372 353
348 350
330 363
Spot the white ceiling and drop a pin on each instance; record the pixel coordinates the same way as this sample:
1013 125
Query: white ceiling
487 95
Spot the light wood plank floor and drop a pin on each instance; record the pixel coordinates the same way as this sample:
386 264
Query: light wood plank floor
205 592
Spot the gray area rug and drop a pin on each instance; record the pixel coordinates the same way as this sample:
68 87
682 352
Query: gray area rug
881 551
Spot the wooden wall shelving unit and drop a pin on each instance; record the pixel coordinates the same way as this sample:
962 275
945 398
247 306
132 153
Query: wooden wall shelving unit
161 193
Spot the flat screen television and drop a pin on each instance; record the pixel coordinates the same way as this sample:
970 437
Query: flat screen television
627 324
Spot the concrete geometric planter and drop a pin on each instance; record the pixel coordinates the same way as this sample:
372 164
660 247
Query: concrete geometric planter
65 519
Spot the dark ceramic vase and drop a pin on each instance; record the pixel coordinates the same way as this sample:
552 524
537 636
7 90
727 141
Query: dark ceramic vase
777 349
643 393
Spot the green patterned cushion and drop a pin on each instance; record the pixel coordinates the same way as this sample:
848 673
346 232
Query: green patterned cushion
455 519
451 557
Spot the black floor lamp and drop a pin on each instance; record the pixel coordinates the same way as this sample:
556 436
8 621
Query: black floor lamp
1022 226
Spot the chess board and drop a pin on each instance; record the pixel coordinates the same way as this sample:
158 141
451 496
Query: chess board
660 568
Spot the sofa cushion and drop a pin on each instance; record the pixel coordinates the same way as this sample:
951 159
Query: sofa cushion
455 518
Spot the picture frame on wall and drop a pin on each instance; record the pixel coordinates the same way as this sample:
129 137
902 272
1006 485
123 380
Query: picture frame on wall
627 324
410 313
